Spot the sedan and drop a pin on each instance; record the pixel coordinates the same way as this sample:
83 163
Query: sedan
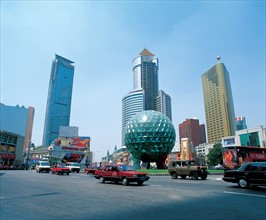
124 174
249 174
60 169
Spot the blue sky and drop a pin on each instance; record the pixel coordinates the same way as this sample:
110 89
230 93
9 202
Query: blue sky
103 37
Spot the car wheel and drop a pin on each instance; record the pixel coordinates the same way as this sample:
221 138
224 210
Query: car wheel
57 173
52 172
140 182
183 176
124 181
101 180
67 173
243 183
78 171
194 176
174 175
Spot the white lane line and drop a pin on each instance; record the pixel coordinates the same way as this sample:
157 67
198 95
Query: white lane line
244 194
218 178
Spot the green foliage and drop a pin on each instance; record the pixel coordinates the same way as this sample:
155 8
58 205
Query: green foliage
215 155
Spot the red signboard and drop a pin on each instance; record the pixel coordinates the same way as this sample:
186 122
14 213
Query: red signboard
8 156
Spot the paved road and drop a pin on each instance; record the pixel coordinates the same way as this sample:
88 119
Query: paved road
30 195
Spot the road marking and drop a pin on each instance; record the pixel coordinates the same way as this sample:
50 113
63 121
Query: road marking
244 194
218 178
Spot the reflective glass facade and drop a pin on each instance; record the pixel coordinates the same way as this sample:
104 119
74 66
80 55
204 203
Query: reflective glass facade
150 136
145 94
59 98
218 103
132 103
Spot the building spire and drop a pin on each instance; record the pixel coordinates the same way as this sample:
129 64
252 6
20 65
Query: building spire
146 52
218 59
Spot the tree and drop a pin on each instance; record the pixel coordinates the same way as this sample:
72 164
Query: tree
215 155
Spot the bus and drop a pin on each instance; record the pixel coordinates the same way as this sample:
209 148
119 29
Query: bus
235 156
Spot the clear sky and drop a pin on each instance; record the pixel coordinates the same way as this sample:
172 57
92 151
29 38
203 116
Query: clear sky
103 37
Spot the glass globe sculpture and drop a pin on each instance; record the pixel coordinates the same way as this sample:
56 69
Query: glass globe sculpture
149 137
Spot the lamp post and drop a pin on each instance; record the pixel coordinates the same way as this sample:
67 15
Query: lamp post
27 155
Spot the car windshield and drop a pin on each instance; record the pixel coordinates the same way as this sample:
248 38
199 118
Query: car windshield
75 164
45 164
61 165
126 168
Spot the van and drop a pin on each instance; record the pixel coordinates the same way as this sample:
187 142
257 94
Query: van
73 166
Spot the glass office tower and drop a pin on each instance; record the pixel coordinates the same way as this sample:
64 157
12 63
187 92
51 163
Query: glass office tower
145 94
218 103
145 76
59 98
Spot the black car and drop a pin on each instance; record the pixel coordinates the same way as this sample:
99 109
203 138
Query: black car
252 173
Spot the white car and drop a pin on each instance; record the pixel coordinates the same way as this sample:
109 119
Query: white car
42 166
73 166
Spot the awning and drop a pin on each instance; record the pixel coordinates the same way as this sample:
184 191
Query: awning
8 156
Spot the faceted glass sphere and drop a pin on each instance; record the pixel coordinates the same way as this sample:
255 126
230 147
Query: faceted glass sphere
149 136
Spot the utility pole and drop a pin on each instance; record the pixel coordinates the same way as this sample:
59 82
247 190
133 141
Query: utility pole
28 155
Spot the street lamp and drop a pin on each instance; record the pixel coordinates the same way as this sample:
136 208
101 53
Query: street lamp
28 154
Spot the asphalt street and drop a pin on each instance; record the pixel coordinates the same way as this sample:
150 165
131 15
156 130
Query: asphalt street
42 196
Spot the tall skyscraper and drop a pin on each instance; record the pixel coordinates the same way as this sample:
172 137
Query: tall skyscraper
18 120
132 103
59 98
145 94
164 104
218 103
192 130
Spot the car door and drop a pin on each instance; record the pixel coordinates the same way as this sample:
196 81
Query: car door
107 173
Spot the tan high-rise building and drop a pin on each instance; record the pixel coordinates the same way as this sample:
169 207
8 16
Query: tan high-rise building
218 103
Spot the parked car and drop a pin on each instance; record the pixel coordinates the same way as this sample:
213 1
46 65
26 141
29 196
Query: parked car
90 170
186 168
73 166
42 166
249 174
5 167
60 169
125 174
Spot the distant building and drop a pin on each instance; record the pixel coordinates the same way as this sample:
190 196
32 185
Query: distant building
17 120
132 103
164 104
11 148
240 123
192 130
218 103
255 137
59 98
145 94
187 150
202 133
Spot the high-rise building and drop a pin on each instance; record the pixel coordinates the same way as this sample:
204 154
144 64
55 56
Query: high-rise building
218 103
59 98
145 94
202 134
145 76
164 104
132 103
17 120
241 123
192 130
